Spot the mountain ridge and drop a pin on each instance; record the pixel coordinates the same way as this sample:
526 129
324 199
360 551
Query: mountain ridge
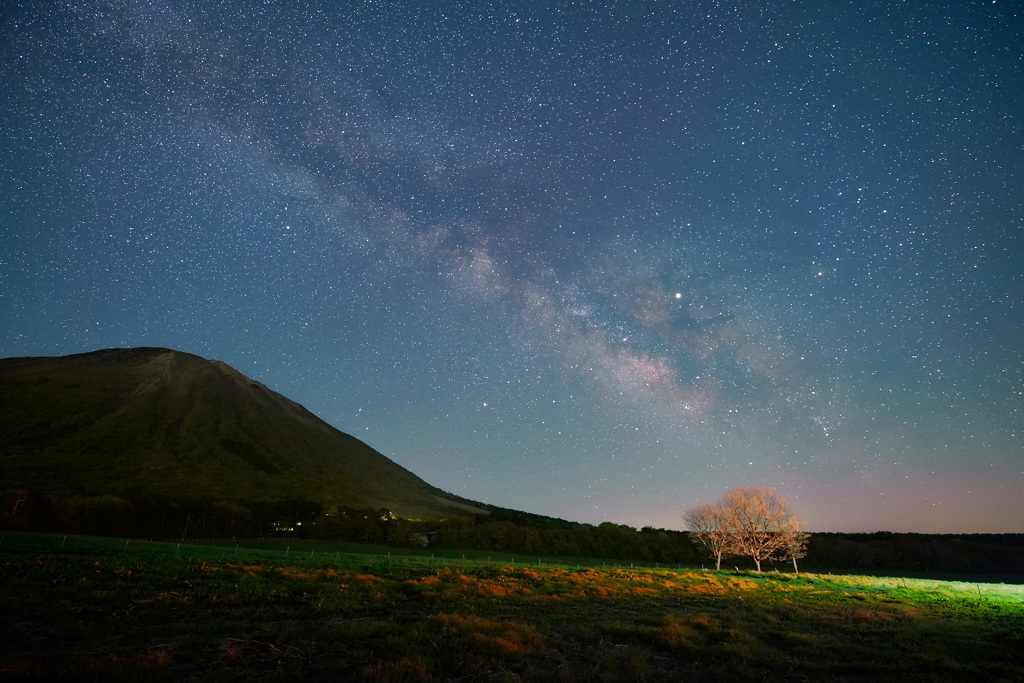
153 423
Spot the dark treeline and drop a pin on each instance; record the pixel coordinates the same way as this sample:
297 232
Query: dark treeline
513 534
111 515
885 551
502 530
508 531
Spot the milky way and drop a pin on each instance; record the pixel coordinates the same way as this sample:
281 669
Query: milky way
600 261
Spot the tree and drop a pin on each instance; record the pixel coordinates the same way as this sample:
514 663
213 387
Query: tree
760 525
748 521
795 542
708 527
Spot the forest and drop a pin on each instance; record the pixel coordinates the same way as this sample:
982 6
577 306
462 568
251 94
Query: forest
501 531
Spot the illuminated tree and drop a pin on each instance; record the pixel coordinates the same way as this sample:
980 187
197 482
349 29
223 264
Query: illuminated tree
748 521
708 527
794 542
759 525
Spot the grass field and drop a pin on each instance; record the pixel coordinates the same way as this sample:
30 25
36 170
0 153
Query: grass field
103 609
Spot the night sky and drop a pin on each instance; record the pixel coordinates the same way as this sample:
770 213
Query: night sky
594 260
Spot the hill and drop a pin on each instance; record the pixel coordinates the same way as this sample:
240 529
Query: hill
170 430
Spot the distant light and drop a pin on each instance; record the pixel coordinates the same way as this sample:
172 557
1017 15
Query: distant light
678 295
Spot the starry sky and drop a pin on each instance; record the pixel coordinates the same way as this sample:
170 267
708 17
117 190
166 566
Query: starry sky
594 260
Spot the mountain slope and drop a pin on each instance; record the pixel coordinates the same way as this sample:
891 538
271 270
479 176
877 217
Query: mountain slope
157 424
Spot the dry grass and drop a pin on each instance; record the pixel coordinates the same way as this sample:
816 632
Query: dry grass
160 614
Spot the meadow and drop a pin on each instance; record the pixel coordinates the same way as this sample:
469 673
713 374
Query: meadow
87 608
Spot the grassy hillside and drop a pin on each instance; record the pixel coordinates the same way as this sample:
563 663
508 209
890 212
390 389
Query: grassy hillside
160 425
100 609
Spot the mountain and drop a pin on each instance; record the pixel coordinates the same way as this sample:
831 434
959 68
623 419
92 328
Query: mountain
156 426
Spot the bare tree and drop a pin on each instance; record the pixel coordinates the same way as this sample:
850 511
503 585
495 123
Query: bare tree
794 542
708 527
759 524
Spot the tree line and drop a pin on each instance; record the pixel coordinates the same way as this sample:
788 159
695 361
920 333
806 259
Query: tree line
113 515
510 531
501 530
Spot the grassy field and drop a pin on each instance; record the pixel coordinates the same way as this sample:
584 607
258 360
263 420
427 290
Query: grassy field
94 609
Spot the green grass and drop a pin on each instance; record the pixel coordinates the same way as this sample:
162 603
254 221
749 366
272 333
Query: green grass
95 608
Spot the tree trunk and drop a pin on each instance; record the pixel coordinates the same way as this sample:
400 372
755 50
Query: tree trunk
795 570
758 565
718 563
